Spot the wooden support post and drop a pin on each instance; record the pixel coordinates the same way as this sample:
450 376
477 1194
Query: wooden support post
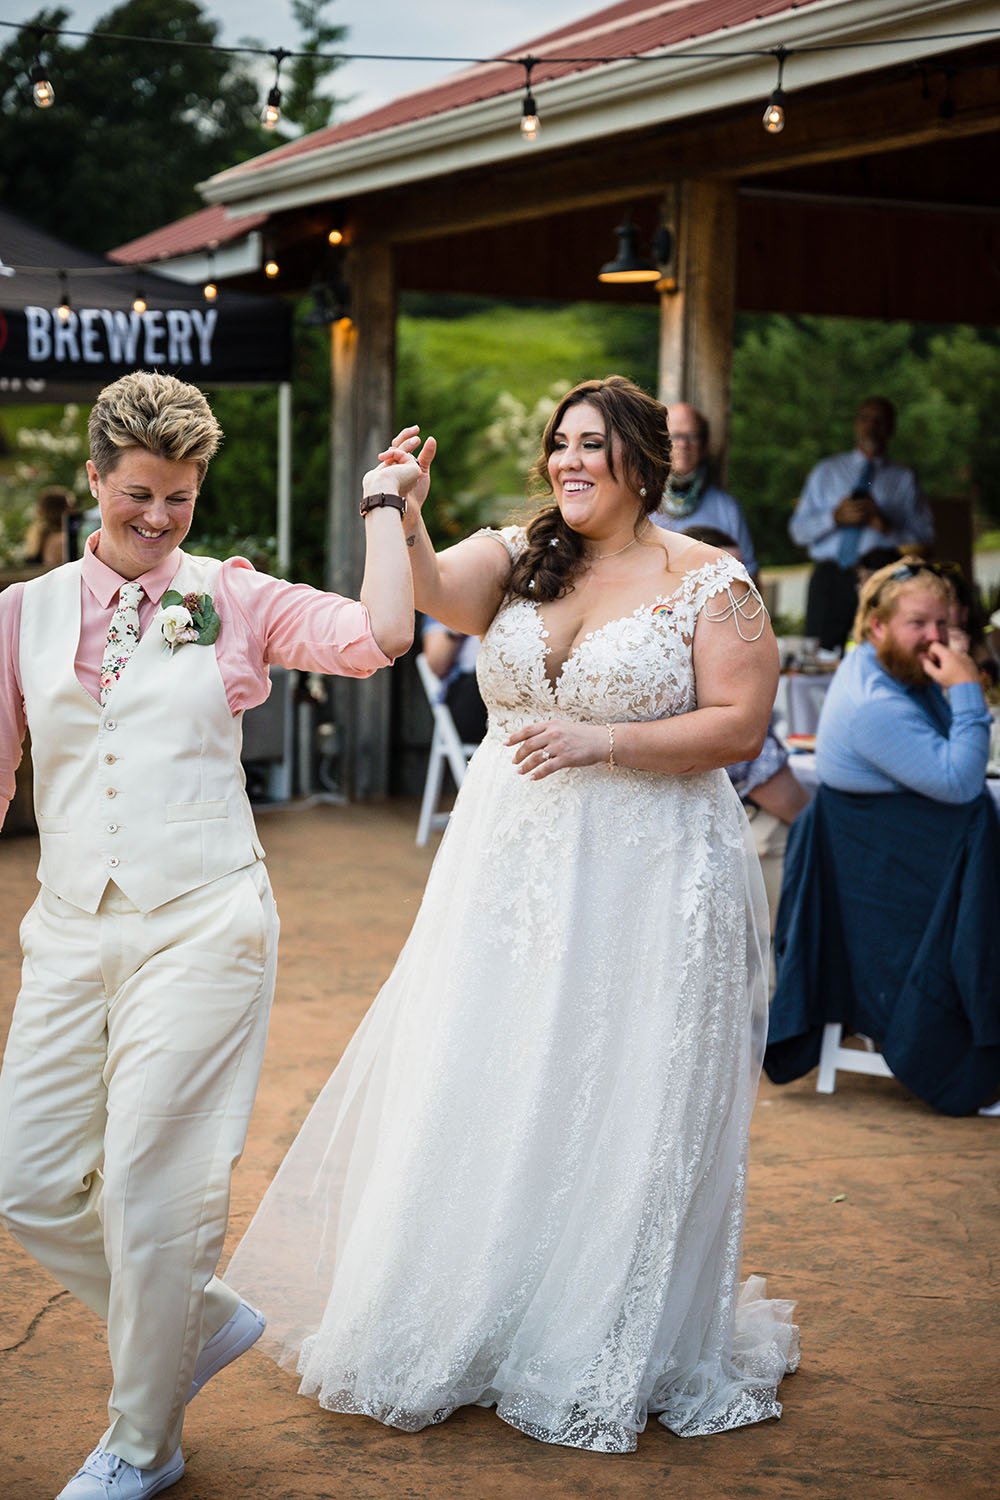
696 320
363 356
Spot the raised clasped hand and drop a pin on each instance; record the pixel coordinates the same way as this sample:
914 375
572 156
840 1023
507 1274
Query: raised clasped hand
397 471
947 667
544 748
406 446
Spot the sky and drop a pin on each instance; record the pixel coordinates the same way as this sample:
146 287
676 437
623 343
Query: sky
443 28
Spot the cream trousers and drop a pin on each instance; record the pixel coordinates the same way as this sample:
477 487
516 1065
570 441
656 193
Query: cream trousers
127 1084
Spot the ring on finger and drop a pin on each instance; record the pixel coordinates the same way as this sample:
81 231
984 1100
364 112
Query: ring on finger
545 754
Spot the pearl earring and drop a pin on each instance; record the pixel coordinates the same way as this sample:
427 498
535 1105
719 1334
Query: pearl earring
642 493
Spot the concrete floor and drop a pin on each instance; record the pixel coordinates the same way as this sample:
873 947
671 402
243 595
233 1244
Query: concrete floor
877 1215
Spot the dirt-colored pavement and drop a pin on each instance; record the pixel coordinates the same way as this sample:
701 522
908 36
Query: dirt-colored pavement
877 1215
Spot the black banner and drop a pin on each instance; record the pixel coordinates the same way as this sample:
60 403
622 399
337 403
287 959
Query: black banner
53 350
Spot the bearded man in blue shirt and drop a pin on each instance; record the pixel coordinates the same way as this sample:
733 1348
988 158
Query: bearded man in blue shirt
886 724
887 920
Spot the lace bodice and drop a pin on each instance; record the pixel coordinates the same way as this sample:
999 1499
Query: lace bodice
637 667
523 1184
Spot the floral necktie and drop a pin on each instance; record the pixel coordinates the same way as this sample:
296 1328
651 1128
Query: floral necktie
123 637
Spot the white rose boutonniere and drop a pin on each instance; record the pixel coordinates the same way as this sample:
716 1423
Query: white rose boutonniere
188 618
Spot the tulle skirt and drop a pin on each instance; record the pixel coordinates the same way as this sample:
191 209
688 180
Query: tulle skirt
523 1184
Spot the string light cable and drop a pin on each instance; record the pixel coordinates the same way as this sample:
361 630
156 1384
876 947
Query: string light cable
529 122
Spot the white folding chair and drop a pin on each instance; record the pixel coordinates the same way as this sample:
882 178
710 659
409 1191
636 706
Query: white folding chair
447 749
834 1058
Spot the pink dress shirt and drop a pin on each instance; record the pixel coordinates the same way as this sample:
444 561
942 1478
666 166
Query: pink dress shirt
264 620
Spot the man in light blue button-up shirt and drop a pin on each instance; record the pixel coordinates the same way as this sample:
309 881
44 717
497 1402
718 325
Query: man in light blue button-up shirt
852 502
905 712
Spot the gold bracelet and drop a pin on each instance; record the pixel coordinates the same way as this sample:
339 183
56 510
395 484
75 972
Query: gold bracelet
611 744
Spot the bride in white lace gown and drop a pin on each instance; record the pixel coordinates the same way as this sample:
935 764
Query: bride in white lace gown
523 1185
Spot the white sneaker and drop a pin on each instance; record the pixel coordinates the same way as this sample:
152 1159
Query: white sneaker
105 1476
234 1338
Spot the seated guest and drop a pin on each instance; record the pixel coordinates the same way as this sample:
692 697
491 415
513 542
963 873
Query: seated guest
886 725
452 657
690 499
45 538
771 796
892 875
772 799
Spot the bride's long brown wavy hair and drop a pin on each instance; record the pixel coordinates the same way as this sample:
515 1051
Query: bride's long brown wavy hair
554 554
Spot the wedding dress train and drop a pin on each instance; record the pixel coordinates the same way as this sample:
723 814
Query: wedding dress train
523 1184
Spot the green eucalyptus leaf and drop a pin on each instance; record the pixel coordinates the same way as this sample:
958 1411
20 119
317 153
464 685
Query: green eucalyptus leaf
209 629
171 597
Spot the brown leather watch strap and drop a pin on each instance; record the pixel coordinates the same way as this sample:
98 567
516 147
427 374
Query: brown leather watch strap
374 502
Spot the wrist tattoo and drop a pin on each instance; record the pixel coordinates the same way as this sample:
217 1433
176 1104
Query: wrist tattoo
411 541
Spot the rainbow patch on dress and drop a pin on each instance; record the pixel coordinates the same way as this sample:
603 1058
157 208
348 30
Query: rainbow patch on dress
659 610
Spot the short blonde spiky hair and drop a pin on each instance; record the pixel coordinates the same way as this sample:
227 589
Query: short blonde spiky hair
156 412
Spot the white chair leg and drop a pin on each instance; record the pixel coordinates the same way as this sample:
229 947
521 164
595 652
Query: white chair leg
432 791
446 748
826 1083
833 1057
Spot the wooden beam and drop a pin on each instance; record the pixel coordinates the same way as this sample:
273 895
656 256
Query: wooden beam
363 357
878 114
696 320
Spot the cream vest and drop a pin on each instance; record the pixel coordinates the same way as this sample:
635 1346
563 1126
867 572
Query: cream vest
147 792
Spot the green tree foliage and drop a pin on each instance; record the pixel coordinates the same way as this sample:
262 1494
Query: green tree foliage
135 127
458 356
952 415
304 104
798 381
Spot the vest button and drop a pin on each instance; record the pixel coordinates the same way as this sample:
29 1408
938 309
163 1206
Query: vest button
112 827
111 723
114 862
110 759
110 792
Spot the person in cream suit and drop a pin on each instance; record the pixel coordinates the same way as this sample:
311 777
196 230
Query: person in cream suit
149 953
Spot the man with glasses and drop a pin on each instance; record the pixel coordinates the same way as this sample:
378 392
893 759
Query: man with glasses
891 887
851 503
690 498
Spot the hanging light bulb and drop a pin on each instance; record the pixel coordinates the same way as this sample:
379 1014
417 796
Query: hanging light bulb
271 268
64 311
210 291
42 91
774 114
335 237
139 303
530 123
270 115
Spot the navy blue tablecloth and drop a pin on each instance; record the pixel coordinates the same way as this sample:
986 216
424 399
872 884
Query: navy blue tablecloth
889 923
